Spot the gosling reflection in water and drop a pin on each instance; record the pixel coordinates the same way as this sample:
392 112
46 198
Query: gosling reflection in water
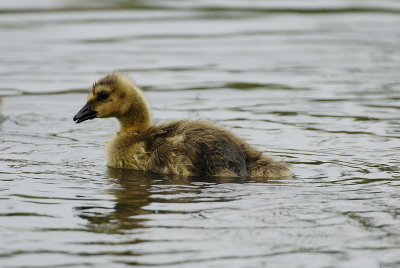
134 190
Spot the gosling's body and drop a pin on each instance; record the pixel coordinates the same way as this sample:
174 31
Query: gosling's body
184 147
190 148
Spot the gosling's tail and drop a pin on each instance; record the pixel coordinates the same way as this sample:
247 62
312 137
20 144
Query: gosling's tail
266 167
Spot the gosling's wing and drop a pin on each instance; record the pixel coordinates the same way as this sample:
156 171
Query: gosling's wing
194 148
168 152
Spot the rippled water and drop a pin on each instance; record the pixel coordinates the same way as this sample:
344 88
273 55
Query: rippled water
313 83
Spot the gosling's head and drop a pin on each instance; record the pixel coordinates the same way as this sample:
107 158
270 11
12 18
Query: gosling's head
116 96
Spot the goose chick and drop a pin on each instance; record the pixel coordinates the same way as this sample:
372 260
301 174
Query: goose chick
184 147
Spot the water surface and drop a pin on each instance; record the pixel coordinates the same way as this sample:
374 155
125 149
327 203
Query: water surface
312 83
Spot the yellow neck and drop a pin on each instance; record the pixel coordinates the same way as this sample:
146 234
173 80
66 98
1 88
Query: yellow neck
131 124
136 116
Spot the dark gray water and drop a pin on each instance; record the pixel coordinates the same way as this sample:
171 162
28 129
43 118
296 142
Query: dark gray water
313 83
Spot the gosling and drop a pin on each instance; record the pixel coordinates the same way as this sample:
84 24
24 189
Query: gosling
184 148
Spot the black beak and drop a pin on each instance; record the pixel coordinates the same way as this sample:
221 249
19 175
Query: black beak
85 113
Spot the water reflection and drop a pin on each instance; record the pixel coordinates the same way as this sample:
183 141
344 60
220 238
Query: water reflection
131 193
133 190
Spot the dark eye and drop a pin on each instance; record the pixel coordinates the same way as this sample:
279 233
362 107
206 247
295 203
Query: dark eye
103 95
